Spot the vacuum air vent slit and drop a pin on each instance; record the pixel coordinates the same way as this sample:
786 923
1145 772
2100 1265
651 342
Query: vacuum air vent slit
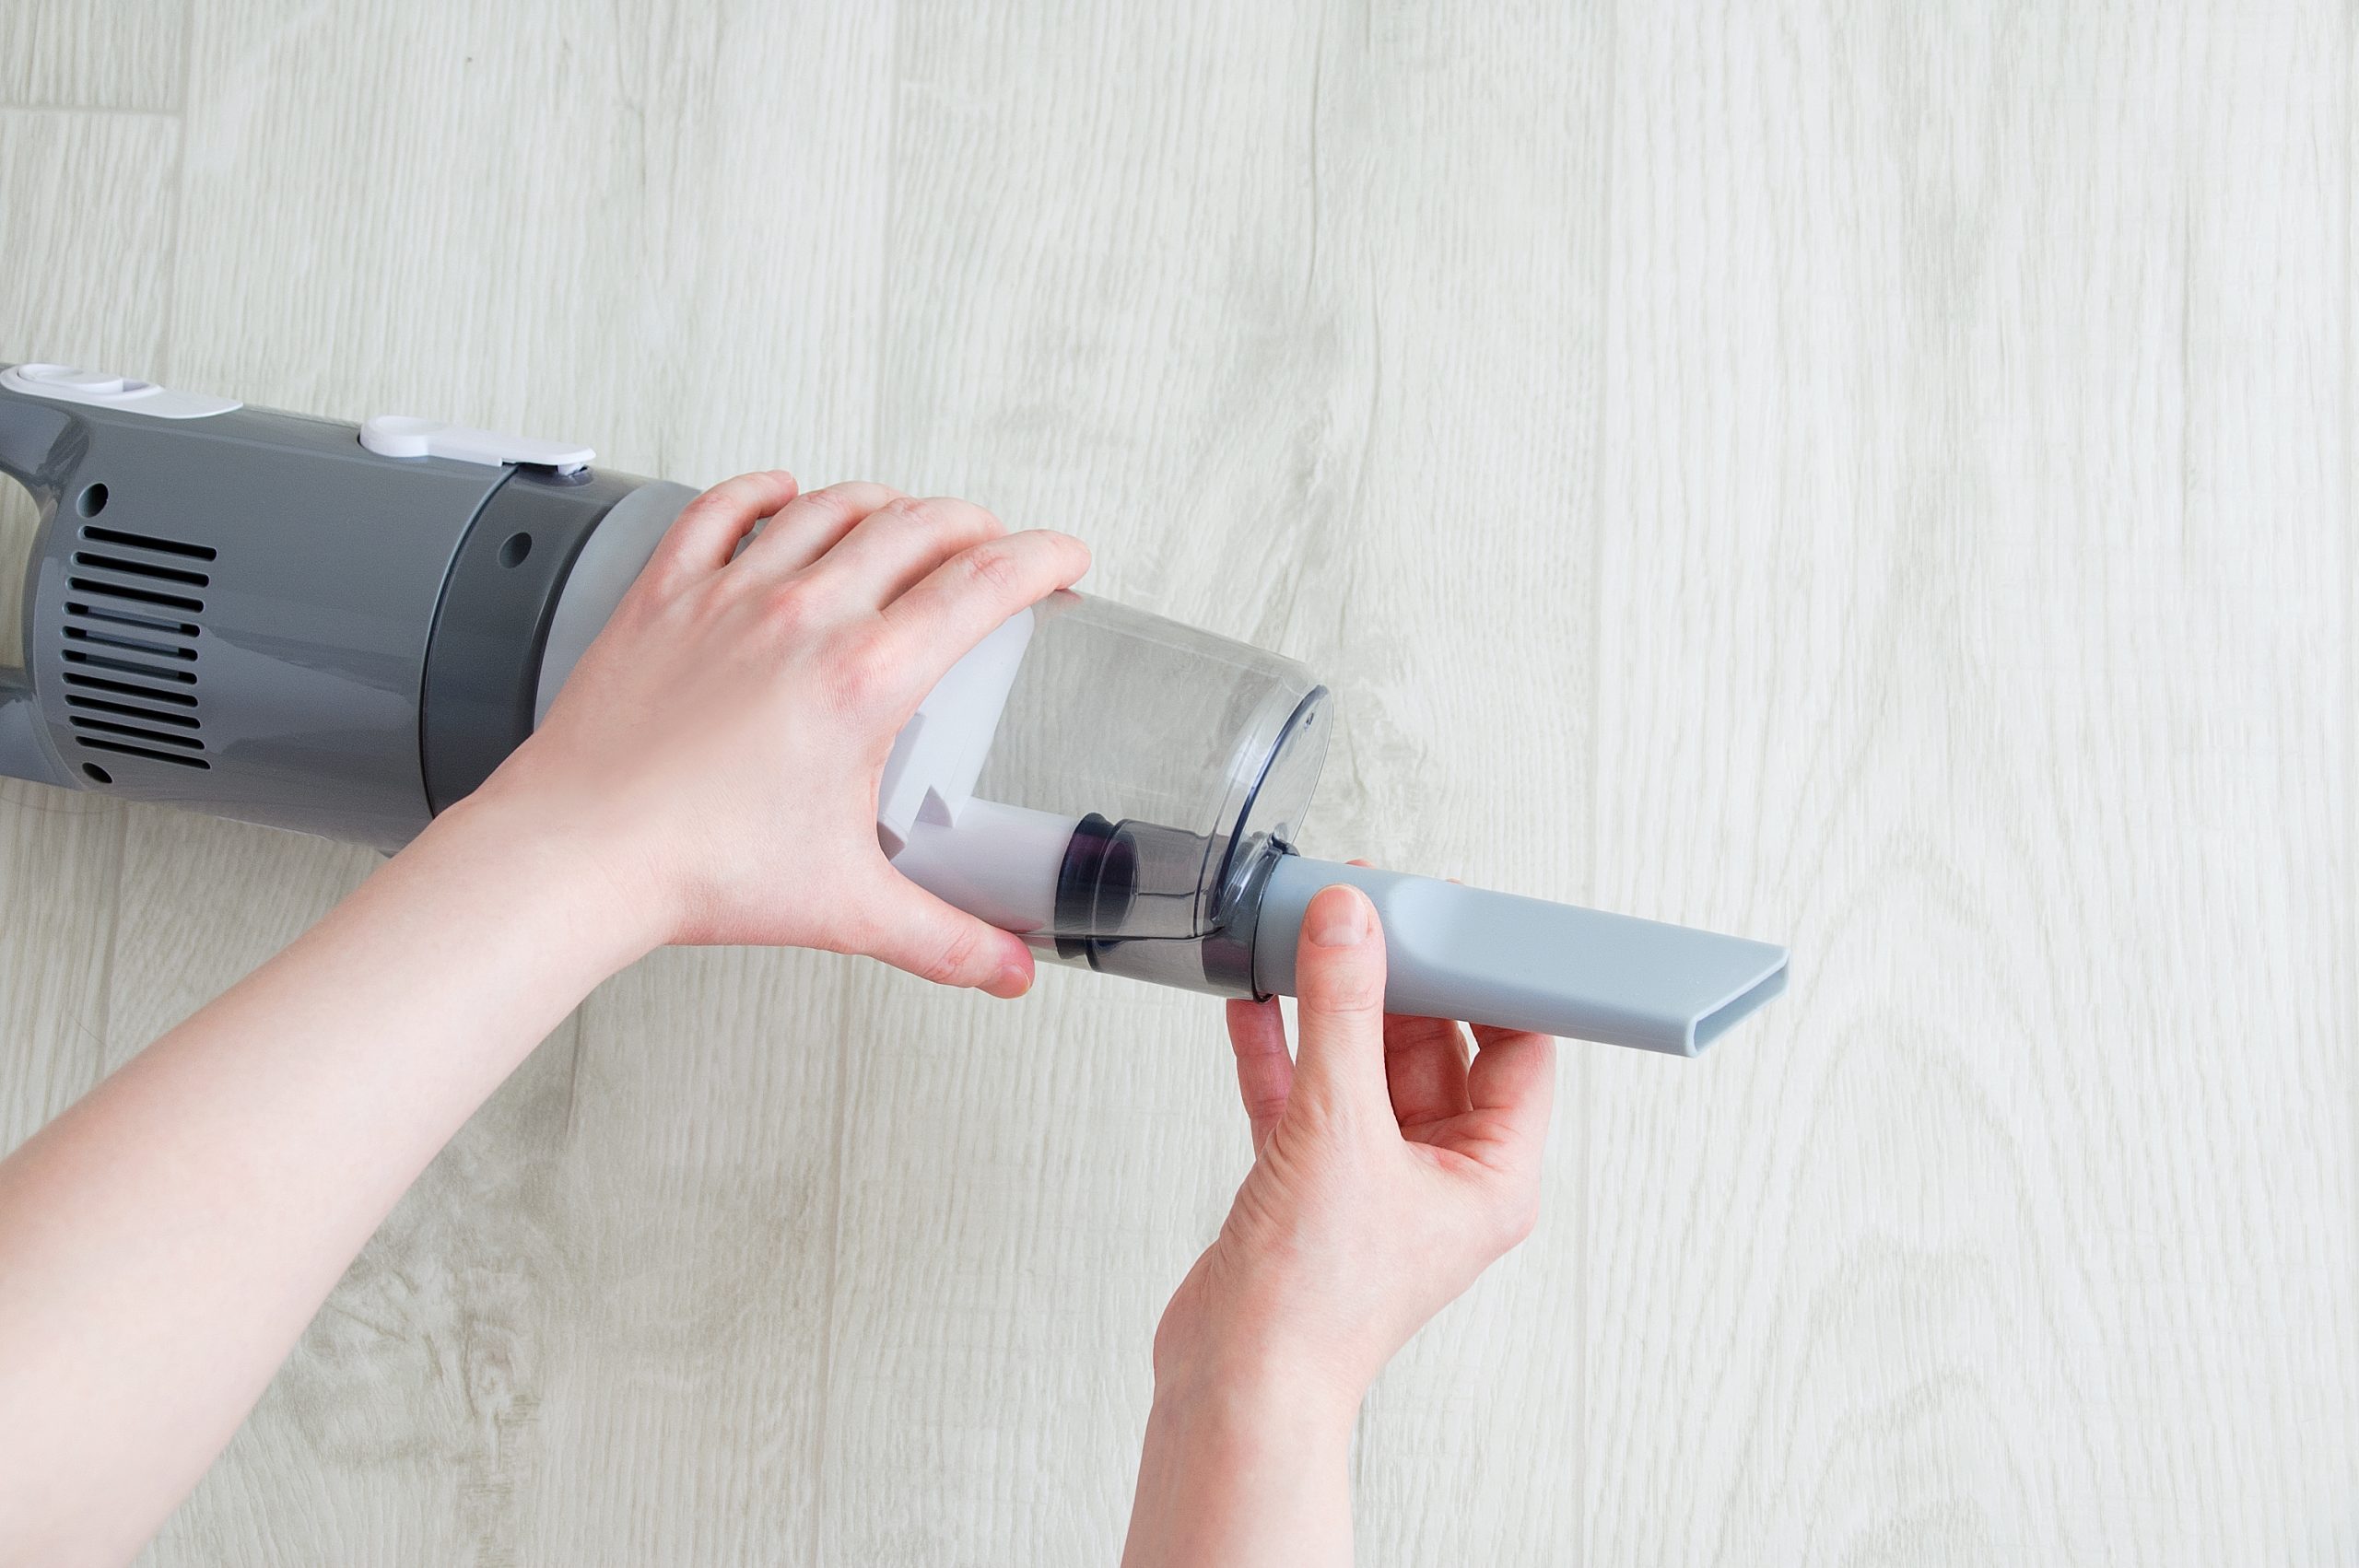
129 667
136 731
136 645
130 568
129 645
124 619
137 595
153 756
99 683
98 535
131 710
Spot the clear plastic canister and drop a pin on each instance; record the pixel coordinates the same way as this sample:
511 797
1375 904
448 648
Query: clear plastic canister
1107 783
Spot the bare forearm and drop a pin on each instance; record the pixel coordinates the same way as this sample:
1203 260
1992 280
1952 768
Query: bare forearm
164 1242
717 750
1243 1473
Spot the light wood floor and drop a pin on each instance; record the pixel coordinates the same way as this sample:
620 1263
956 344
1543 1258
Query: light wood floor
1876 476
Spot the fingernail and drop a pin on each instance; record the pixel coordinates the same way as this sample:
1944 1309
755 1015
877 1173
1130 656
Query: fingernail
1338 918
1010 983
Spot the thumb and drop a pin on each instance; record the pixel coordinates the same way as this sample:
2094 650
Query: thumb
910 929
1339 984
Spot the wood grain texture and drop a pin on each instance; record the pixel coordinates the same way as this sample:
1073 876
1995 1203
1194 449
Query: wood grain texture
66 180
1094 263
88 225
1874 475
625 1258
1998 502
101 54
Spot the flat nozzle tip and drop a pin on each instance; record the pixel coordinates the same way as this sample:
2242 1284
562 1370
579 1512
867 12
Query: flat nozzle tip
1711 1025
1495 958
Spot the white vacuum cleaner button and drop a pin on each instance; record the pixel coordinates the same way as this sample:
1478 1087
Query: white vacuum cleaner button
398 435
94 383
102 390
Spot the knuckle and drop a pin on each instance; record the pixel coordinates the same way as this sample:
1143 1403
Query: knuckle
852 497
1355 1009
996 569
866 666
951 960
917 513
715 502
1354 991
1264 1106
789 606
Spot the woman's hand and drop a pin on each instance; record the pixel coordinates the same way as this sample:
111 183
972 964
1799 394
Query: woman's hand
716 752
1390 1171
708 774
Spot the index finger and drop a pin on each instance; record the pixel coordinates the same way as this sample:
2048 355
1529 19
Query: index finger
708 529
974 593
1512 1082
1257 1032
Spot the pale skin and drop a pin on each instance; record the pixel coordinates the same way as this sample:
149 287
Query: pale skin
709 775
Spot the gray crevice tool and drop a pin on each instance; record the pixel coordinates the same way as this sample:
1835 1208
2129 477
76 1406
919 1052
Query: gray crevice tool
343 630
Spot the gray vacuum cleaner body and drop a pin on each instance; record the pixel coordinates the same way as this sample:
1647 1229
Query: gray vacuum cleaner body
342 630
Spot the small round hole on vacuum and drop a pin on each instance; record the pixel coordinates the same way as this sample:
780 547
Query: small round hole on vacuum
96 774
91 501
514 548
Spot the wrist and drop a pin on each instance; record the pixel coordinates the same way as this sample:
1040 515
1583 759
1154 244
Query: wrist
512 850
1261 1421
1244 1465
1297 1396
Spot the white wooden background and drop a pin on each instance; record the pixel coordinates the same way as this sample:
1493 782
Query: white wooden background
1875 476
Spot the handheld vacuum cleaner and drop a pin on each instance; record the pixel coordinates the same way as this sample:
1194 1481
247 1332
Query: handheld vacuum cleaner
342 630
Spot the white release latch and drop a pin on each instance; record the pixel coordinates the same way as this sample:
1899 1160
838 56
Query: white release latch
101 389
398 435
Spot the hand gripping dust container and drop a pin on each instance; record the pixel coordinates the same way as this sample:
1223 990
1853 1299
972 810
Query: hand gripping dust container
1112 785
343 630
1126 791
